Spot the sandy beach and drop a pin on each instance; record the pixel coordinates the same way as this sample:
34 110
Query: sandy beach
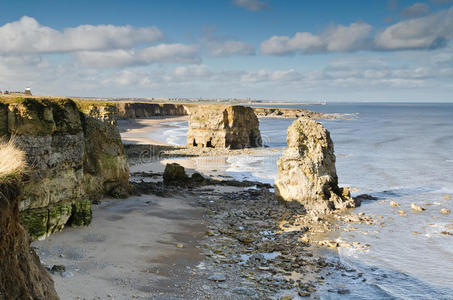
139 131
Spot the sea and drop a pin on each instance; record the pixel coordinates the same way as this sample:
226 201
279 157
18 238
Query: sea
400 152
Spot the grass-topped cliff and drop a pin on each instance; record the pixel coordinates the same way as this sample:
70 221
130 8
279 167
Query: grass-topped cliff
21 273
75 155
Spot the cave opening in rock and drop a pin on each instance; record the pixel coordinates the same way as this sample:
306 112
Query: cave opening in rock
209 144
194 143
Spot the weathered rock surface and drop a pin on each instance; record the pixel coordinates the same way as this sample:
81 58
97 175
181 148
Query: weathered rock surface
220 126
306 170
75 154
145 110
21 274
174 173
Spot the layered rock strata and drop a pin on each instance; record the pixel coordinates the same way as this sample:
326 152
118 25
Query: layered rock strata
21 274
219 126
75 155
306 170
128 110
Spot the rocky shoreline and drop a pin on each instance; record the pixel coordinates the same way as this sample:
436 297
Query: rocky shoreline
255 246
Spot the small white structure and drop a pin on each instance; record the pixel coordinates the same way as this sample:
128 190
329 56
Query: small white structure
27 91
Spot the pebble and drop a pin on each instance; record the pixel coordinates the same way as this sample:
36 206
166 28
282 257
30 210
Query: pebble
445 211
417 207
217 277
179 245
402 213
243 291
67 274
394 204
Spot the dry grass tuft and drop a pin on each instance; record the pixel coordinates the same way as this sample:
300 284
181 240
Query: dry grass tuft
12 161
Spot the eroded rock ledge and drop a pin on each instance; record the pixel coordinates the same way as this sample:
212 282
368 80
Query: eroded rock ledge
306 170
219 126
75 154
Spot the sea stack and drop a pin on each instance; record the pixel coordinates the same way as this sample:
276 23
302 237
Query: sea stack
306 170
220 126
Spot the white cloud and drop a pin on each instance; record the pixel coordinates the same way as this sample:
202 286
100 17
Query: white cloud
164 53
335 39
430 32
268 75
27 36
416 10
230 48
252 5
422 33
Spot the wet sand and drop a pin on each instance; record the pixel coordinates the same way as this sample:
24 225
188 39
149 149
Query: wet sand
139 131
132 249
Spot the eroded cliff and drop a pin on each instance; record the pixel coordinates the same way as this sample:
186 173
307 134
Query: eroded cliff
75 154
21 274
220 126
130 110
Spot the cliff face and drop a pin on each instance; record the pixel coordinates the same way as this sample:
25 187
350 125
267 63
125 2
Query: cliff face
21 273
306 170
219 126
274 112
75 157
146 110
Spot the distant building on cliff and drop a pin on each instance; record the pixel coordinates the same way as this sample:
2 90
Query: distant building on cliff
27 91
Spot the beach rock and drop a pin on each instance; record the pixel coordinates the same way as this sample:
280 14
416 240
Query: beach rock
445 211
217 277
220 126
417 208
174 173
394 204
306 170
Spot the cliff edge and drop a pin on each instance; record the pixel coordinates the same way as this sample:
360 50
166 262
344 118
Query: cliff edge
21 274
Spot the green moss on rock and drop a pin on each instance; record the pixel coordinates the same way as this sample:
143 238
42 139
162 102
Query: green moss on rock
81 213
35 221
59 215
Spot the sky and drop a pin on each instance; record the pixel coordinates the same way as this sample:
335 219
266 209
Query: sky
292 50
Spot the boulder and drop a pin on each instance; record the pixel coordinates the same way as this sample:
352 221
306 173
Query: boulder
174 173
306 170
220 126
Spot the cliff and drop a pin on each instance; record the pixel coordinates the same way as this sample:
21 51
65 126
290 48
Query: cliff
274 112
306 170
21 274
220 126
130 110
75 154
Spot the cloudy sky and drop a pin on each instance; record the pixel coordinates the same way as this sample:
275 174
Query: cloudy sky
350 50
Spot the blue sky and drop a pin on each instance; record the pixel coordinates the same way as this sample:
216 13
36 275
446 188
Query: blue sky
277 49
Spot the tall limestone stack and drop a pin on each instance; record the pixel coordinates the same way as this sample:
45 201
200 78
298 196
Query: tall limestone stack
306 170
75 155
220 126
21 274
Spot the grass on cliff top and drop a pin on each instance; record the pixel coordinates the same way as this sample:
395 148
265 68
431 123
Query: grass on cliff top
82 103
12 161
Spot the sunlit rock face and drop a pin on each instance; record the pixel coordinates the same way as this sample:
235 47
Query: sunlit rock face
306 170
219 126
75 155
